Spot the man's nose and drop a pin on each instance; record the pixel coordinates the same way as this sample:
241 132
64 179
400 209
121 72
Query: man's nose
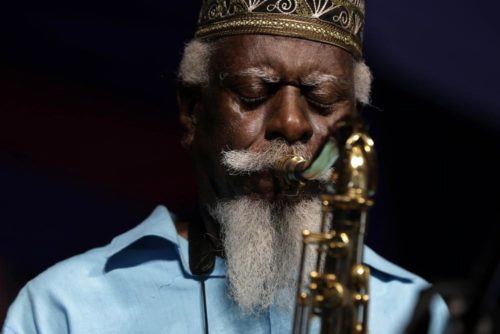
288 117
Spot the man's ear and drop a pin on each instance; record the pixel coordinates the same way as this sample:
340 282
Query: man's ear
189 102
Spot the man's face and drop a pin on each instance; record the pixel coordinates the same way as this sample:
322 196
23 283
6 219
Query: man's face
263 89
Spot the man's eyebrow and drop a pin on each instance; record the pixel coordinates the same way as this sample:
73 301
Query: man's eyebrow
315 79
262 73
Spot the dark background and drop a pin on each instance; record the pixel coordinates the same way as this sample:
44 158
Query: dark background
89 134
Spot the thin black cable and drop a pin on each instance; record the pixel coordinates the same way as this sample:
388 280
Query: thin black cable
205 313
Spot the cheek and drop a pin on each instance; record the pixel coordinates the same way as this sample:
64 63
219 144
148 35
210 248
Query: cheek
227 125
248 130
320 125
344 111
323 126
242 127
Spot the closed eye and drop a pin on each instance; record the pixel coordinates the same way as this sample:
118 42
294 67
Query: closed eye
321 105
252 101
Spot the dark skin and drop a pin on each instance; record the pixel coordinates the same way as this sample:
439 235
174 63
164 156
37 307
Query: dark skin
263 88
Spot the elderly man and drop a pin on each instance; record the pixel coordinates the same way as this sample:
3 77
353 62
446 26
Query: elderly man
262 79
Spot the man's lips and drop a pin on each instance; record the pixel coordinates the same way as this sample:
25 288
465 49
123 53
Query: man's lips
262 183
266 184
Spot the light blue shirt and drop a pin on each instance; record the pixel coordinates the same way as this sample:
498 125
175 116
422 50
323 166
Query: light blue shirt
141 283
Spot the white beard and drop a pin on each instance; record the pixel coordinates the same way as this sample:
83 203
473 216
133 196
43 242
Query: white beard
263 243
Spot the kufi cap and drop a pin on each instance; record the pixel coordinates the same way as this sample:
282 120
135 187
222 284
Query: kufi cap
336 22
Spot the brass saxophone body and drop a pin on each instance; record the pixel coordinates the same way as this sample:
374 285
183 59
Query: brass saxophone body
336 291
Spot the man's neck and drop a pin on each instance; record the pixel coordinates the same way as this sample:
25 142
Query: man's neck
182 228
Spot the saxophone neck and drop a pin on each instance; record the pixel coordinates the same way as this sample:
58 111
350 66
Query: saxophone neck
346 161
355 170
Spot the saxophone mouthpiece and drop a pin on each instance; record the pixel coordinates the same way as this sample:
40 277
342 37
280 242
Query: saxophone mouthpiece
291 168
289 172
294 168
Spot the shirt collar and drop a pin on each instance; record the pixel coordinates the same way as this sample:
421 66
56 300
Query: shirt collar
160 224
380 264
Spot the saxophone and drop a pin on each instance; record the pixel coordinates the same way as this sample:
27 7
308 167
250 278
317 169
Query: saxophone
336 291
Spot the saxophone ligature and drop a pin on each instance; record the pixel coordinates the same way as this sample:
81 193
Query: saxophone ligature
334 296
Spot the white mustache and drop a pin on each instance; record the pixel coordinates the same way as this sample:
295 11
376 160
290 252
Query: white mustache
245 161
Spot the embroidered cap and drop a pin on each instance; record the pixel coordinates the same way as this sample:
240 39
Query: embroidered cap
336 22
